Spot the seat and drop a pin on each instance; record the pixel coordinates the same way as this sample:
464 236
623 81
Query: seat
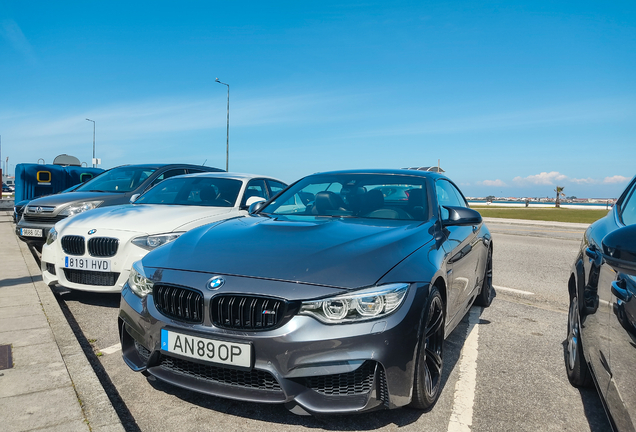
353 198
417 205
372 200
208 195
327 202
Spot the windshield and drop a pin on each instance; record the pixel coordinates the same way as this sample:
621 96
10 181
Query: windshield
122 179
194 191
376 196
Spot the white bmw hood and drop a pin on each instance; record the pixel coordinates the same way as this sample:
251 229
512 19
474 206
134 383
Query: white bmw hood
148 218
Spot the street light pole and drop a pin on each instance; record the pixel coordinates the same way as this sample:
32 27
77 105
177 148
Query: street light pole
93 140
227 136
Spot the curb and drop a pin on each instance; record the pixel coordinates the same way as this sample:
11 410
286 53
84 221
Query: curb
95 404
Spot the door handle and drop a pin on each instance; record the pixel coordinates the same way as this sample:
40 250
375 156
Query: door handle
619 289
475 228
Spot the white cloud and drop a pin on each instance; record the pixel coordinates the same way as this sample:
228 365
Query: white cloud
615 179
11 31
493 183
544 178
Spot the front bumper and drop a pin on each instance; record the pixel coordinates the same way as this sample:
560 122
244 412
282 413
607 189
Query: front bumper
311 367
45 227
54 270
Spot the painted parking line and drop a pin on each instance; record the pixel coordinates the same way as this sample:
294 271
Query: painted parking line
112 349
461 418
512 290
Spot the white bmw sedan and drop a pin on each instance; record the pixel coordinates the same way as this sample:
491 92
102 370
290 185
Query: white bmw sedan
94 250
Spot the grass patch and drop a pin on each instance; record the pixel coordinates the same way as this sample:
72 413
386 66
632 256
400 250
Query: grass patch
543 214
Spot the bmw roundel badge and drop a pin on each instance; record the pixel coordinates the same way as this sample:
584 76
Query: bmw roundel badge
215 283
91 232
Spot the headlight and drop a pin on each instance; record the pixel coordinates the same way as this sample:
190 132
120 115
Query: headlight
79 207
137 280
154 241
359 306
52 236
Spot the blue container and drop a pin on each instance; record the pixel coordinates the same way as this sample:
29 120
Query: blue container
77 175
36 180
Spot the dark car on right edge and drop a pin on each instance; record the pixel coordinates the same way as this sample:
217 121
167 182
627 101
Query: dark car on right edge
601 342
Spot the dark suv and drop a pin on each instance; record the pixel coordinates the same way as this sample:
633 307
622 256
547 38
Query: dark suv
112 187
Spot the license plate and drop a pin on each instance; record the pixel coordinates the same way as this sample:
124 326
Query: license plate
210 350
92 264
30 232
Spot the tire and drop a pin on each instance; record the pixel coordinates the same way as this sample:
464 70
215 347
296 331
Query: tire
427 383
575 364
484 298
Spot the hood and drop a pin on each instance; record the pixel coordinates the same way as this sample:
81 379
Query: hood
147 218
344 253
69 197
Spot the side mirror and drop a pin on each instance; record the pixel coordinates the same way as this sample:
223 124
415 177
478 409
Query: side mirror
255 207
134 197
252 200
461 216
619 249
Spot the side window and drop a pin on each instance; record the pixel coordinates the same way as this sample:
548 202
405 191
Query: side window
628 209
275 187
447 195
254 188
168 174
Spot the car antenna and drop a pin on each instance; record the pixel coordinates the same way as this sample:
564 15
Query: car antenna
204 162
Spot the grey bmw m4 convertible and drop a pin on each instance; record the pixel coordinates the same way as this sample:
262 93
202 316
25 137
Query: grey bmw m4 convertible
335 296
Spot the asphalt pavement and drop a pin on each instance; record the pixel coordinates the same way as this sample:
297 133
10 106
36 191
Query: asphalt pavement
46 381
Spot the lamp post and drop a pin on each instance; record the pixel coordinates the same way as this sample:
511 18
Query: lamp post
227 136
93 140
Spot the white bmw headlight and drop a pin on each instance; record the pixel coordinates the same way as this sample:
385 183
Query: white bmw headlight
359 306
79 207
52 236
137 280
154 241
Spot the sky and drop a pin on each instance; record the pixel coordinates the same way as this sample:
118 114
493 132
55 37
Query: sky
511 97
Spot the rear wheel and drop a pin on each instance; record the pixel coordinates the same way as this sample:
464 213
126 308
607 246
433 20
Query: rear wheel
575 364
484 298
428 370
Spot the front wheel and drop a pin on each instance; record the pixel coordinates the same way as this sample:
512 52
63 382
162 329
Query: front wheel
578 371
427 384
484 298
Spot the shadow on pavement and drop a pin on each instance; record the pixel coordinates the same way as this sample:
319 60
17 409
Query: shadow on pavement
121 409
4 283
110 300
592 405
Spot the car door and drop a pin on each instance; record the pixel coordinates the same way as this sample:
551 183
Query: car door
595 300
621 392
461 250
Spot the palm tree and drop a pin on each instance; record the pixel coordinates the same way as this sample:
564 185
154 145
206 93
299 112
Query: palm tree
559 193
